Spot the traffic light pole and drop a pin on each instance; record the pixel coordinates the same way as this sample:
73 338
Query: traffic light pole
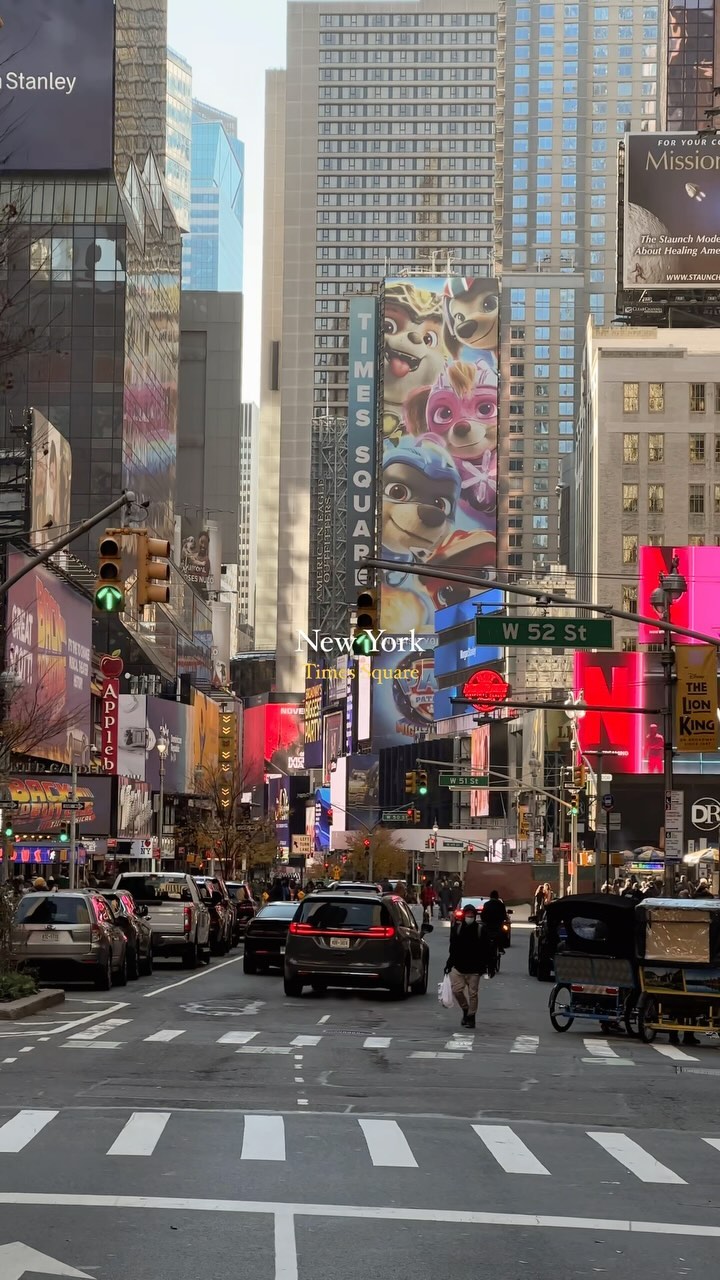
128 498
72 877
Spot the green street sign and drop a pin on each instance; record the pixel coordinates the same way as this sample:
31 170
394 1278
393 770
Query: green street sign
390 815
464 780
550 633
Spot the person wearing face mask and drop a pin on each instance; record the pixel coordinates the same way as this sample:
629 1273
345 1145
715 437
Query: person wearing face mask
466 961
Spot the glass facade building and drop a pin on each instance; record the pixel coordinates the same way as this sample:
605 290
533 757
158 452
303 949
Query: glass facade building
179 136
213 251
690 62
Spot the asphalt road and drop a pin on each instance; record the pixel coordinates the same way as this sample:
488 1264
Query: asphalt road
204 1125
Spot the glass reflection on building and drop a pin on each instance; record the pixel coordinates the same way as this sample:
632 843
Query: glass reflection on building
691 44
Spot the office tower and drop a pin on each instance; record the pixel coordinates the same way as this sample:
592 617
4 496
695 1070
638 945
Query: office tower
389 158
179 136
690 67
248 530
213 251
572 78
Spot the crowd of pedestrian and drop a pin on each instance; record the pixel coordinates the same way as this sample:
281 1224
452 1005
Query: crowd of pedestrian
654 887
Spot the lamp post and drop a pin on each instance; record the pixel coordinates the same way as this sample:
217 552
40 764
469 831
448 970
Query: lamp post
161 747
672 586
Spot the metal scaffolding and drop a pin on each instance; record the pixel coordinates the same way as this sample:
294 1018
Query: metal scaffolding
328 603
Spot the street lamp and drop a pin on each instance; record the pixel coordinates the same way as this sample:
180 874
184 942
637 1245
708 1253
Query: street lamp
672 586
161 746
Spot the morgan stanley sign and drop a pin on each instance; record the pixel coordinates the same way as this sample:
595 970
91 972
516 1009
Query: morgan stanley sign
57 72
362 399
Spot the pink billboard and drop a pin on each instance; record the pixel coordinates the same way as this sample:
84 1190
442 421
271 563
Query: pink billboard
629 739
699 607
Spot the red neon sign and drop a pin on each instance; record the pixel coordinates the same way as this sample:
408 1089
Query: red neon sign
110 700
485 689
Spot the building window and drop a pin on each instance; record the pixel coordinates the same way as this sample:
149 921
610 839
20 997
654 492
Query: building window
696 540
717 449
656 397
716 500
697 448
717 397
656 446
630 548
515 540
629 598
631 446
629 644
696 500
656 499
631 397
630 499
515 464
655 540
697 397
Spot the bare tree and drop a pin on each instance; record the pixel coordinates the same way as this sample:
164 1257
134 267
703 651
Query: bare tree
33 717
223 828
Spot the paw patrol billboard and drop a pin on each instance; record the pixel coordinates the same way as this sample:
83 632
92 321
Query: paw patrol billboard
439 437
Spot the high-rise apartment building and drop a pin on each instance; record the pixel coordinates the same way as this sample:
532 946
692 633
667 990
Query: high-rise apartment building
690 66
213 251
389 157
572 78
179 136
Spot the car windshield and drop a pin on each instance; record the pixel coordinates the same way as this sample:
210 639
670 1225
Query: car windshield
278 911
343 913
156 889
52 909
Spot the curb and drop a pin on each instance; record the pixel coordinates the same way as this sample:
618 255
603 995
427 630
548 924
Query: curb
13 1010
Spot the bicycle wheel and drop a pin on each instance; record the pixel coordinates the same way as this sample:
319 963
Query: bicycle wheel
559 1007
646 1013
630 1016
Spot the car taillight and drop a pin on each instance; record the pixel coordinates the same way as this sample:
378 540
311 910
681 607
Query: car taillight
379 931
458 915
187 919
296 927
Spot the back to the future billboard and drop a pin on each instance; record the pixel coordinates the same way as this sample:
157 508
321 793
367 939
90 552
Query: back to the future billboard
671 236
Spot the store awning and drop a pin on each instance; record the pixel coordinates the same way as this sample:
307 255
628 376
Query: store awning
700 855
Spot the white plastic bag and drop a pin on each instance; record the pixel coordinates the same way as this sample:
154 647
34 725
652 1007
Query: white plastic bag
445 992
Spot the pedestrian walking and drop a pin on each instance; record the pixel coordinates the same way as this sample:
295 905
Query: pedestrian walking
467 961
445 900
456 894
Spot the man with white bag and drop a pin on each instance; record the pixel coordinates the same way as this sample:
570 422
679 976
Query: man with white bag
467 960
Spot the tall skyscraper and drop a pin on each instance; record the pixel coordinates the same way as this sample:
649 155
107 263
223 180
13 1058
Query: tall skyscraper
389 157
213 251
179 136
572 78
689 72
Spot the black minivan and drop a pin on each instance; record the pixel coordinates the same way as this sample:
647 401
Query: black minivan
351 938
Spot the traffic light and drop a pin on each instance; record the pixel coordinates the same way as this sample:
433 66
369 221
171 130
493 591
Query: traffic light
366 621
64 833
366 845
422 782
411 783
579 776
329 814
410 814
153 569
109 584
9 830
574 807
416 817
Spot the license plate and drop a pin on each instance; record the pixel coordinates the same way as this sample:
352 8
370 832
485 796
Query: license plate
52 937
340 942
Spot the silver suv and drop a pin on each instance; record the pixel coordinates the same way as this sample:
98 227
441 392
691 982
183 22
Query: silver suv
70 935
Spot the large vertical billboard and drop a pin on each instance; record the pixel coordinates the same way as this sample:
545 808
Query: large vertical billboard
48 648
439 434
272 740
671 238
630 739
57 80
362 412
698 608
403 698
51 482
201 554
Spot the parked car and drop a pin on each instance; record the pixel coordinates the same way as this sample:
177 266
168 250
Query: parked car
177 914
222 913
70 935
363 886
345 938
245 906
131 917
266 937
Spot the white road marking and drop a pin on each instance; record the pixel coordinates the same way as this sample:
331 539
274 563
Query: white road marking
16 1133
5 1060
263 1138
301 1042
238 1037
525 1044
193 978
325 1018
672 1051
93 1033
299 1080
141 1134
93 1044
460 1042
635 1158
600 1049
609 1062
261 1048
76 1022
27 1049
387 1144
286 1263
163 1037
510 1151
303 1102
377 1042
713 1142
427 1053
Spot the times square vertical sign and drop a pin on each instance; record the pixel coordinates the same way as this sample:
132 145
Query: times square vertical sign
362 435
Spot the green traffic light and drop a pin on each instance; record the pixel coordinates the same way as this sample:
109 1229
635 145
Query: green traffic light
110 599
362 644
63 837
9 832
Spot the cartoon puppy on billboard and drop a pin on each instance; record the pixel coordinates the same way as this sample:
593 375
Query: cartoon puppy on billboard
413 349
470 315
460 412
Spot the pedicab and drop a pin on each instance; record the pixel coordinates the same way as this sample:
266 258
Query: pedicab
596 976
678 948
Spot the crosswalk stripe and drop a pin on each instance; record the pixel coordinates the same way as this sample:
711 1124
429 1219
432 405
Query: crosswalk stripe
431 1053
510 1151
460 1042
525 1044
16 1133
387 1144
713 1142
263 1138
600 1049
377 1042
672 1051
163 1037
306 1041
238 1037
100 1029
141 1134
630 1154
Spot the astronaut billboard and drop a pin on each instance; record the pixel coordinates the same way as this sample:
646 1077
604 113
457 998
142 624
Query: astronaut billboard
439 439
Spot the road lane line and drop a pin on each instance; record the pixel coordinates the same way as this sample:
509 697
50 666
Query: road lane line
510 1151
238 1037
263 1138
600 1049
100 1029
525 1044
262 1048
460 1042
672 1051
387 1144
193 978
163 1037
325 1018
286 1261
6 1060
141 1134
713 1142
635 1158
432 1053
16 1133
301 1042
377 1042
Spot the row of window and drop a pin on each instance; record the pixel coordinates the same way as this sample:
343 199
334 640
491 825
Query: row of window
411 19
698 448
655 498
699 394
631 543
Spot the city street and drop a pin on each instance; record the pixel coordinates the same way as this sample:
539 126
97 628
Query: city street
204 1124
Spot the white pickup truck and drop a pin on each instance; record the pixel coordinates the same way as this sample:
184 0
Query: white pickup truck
177 913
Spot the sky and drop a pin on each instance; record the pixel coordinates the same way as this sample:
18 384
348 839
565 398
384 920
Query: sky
230 51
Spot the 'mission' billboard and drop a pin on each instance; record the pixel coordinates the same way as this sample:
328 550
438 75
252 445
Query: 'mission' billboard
671 237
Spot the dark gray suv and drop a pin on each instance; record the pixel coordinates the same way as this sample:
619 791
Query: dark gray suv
351 938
